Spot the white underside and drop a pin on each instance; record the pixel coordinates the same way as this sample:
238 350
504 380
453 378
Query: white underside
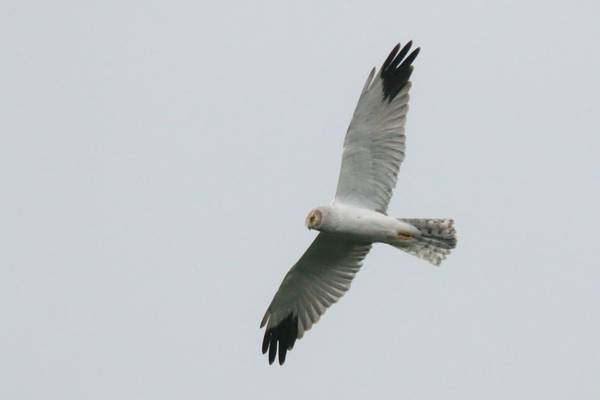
364 225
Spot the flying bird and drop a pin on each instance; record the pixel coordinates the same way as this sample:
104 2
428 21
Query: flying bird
357 217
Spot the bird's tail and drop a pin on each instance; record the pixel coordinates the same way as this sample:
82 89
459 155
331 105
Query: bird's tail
437 238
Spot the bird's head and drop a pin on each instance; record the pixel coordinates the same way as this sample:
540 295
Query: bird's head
314 219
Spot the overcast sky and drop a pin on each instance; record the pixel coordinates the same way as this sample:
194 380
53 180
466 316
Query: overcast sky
157 160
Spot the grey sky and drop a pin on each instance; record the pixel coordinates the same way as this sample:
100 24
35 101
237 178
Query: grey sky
157 161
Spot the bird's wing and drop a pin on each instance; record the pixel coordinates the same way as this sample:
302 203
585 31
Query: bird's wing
319 279
374 143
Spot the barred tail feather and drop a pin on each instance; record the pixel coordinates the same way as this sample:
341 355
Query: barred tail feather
437 239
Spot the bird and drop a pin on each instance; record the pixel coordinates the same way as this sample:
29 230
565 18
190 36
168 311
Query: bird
373 150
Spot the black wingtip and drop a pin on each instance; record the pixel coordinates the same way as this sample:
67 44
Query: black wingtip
390 57
282 352
265 344
282 337
396 70
272 352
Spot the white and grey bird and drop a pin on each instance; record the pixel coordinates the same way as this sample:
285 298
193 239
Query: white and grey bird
373 151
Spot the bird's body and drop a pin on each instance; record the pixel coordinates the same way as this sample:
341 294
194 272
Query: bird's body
364 225
373 151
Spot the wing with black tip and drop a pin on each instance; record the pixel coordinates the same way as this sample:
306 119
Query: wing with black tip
319 279
374 144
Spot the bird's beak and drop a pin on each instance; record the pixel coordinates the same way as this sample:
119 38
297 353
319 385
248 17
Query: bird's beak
307 223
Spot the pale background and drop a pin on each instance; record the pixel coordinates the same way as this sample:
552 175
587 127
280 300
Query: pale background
158 158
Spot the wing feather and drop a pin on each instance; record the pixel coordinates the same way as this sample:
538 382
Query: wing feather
374 145
319 279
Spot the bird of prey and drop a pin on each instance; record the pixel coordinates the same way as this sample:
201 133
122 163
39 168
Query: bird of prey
373 151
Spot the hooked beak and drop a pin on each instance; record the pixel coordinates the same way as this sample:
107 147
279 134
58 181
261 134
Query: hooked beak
308 222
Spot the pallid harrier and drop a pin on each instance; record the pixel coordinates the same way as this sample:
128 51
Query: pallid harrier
373 150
